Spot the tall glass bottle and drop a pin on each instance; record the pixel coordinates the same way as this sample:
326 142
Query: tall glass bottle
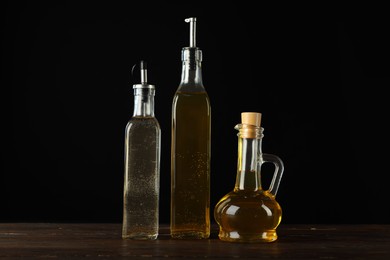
190 149
142 165
249 213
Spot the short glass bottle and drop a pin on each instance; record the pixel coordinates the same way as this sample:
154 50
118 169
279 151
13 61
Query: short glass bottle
249 213
142 166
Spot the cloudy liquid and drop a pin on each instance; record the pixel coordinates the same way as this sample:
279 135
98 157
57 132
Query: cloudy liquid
141 189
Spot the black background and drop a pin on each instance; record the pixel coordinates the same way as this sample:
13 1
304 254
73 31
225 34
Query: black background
317 74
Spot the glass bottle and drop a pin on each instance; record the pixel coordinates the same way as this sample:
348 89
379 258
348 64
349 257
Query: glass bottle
142 165
190 149
249 213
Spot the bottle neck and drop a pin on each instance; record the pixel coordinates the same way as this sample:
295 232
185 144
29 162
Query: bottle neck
143 102
248 170
191 74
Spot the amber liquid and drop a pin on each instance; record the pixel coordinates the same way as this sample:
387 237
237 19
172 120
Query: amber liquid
190 172
248 216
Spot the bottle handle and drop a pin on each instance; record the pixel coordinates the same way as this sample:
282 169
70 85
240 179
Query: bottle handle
279 169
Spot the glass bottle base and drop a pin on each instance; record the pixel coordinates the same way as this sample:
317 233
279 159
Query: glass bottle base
234 236
140 236
190 235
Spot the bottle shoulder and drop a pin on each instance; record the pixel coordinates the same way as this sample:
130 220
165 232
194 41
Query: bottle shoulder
192 99
143 122
248 196
192 95
189 88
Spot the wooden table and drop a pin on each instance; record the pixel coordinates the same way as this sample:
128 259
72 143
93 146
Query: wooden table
74 241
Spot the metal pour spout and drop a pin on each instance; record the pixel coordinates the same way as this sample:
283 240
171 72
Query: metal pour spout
144 73
192 21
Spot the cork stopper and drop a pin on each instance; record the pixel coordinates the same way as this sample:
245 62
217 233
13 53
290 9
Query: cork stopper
250 125
251 118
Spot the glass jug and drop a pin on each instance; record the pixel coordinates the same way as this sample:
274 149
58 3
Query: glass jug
249 213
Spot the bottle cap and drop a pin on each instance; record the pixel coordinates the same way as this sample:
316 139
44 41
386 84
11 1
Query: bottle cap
191 54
